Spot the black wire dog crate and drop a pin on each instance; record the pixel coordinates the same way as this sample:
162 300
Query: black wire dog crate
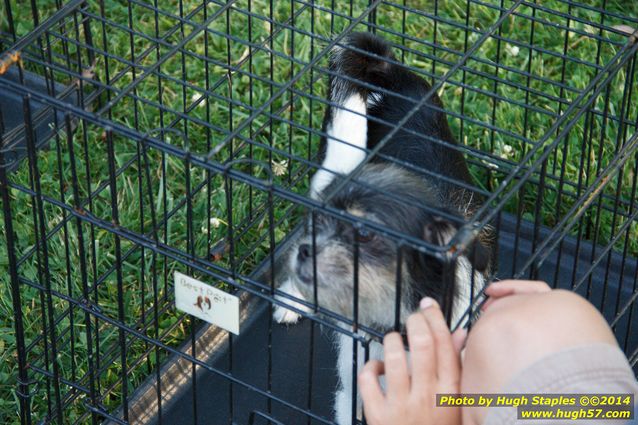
139 139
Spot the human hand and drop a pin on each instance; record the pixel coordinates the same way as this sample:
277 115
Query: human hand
505 288
435 367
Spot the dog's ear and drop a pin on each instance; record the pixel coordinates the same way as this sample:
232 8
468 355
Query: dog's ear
440 231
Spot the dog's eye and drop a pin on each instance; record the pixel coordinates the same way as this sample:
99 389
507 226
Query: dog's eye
364 235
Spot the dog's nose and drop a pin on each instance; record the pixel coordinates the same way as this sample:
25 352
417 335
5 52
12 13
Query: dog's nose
304 252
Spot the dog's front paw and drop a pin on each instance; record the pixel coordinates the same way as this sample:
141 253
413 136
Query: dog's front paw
282 314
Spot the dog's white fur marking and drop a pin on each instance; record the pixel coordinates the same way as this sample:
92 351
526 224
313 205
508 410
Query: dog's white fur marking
343 399
348 125
463 286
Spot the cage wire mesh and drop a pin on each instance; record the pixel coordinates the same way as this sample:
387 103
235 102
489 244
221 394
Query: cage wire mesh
143 138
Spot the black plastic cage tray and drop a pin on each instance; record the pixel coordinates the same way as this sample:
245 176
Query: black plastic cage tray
307 347
12 115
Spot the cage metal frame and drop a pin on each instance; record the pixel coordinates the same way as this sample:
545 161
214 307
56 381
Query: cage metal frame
97 104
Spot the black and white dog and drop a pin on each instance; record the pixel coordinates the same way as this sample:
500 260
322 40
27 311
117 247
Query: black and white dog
386 193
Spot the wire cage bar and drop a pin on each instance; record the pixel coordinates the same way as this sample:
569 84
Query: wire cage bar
140 138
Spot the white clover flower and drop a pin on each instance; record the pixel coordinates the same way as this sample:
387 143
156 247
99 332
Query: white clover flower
214 223
196 98
279 168
512 50
507 149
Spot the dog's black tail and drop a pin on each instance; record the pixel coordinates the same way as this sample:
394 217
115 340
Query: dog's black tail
361 57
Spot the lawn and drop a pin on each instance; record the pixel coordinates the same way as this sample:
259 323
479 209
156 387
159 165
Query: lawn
502 103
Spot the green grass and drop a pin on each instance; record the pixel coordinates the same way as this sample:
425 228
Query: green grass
138 270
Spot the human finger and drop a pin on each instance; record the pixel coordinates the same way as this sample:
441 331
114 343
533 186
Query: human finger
513 286
506 288
369 386
396 366
447 359
422 355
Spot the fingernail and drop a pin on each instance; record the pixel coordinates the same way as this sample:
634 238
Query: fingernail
426 302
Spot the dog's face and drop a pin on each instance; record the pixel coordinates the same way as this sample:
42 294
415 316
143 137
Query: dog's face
347 256
334 262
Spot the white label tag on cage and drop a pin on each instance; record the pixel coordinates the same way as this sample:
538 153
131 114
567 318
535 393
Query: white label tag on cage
207 303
